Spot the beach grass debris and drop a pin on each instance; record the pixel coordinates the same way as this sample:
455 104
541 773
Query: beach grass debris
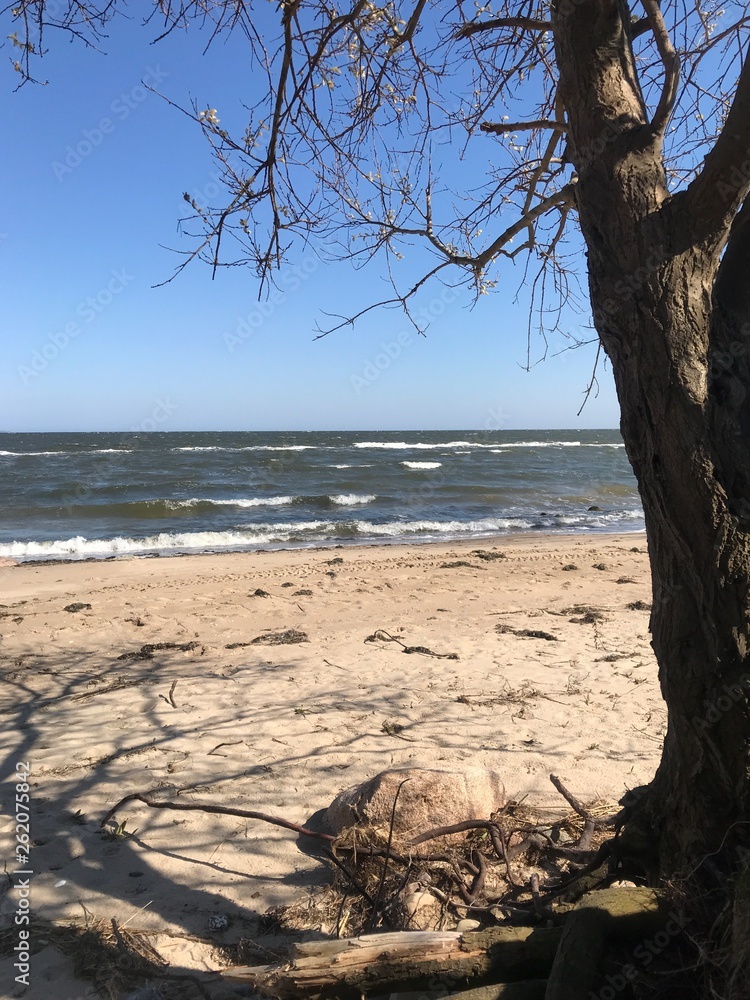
287 637
458 564
77 606
526 633
147 651
638 606
260 593
569 567
302 593
396 729
487 555
380 635
336 561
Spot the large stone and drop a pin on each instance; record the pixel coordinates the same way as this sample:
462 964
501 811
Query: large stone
427 799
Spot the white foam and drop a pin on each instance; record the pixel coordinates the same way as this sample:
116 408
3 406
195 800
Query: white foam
404 445
250 447
352 499
23 454
422 465
483 526
251 502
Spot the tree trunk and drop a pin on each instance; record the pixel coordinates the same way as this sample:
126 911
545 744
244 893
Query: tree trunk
674 323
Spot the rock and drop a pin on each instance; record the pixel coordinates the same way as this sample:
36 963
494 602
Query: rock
416 909
427 799
466 925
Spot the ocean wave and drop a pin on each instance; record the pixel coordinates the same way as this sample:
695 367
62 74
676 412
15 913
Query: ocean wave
23 454
422 465
405 445
497 448
251 502
315 532
352 499
494 445
249 447
79 452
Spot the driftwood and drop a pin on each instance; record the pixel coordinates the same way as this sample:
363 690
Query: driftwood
470 966
433 960
528 989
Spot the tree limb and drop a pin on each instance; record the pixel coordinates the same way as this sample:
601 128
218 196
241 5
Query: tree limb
716 194
671 65
527 23
565 196
498 128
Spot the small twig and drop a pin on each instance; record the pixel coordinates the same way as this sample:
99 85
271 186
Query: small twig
592 822
349 876
171 694
444 831
384 872
220 810
572 801
231 744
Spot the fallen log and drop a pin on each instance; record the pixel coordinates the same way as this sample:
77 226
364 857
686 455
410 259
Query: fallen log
528 989
405 960
498 963
627 913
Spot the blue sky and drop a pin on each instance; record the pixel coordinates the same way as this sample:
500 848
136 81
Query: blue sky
93 192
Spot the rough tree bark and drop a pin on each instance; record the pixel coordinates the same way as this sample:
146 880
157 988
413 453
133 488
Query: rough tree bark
672 314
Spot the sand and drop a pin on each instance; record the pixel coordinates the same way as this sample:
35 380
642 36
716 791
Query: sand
283 728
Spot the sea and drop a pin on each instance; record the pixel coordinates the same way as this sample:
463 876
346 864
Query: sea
110 495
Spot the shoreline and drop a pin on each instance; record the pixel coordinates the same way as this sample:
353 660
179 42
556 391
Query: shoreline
475 541
134 675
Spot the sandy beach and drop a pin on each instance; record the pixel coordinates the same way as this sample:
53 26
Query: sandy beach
100 709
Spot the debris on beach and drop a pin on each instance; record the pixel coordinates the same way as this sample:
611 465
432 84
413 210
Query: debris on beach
638 606
77 606
285 638
527 633
147 652
382 636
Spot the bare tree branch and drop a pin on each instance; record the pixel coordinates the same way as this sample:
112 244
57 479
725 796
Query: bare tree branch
671 65
527 23
499 128
716 194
